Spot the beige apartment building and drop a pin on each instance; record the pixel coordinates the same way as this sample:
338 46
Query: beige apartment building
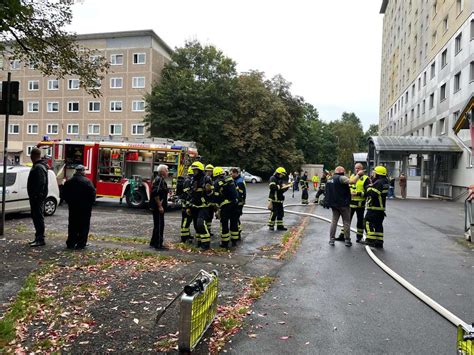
59 109
427 79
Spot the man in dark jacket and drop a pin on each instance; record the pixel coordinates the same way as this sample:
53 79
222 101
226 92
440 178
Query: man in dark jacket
37 187
338 198
79 193
242 194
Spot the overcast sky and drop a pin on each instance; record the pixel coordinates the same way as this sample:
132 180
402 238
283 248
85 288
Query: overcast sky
329 50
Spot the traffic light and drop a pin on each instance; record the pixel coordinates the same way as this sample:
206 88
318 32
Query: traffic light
16 106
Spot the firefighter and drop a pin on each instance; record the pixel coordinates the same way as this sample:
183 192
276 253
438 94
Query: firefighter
212 206
225 197
322 186
276 198
357 201
183 194
304 188
242 194
376 197
200 194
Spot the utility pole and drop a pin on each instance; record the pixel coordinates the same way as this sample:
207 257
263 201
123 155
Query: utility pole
9 105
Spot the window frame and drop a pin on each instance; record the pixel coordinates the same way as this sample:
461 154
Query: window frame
92 125
50 125
93 102
69 87
115 80
11 129
114 125
137 55
31 103
135 127
50 81
457 82
30 82
135 102
69 103
116 55
71 125
113 103
136 78
48 103
442 93
29 130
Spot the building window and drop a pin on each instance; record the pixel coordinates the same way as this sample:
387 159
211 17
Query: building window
419 83
33 85
445 24
458 43
97 84
52 107
32 128
433 39
471 71
73 106
433 70
33 106
423 106
115 129
93 129
457 82
406 97
138 129
116 59
413 90
72 129
52 128
442 93
424 79
459 6
115 106
116 83
15 64
14 128
418 110
53 84
138 106
441 126
456 115
29 148
138 82
139 58
94 106
73 84
94 59
472 29
444 58
431 101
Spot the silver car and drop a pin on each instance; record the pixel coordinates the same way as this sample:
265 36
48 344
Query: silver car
251 178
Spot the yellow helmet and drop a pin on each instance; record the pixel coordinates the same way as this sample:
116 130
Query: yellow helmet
210 167
217 171
197 165
380 170
190 171
280 170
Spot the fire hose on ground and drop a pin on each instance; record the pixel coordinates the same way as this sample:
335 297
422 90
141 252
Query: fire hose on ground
465 330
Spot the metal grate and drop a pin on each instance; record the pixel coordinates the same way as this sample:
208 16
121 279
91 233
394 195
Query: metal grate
197 311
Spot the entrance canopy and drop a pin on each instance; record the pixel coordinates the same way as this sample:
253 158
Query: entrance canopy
414 145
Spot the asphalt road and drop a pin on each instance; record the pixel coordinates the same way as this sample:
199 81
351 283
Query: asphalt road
337 300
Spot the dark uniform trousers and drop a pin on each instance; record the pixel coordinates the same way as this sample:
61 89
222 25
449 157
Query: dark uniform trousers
240 212
158 229
304 195
37 214
359 212
200 216
78 226
374 226
229 218
277 214
185 224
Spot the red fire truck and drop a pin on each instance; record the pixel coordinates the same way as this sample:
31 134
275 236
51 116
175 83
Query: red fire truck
120 169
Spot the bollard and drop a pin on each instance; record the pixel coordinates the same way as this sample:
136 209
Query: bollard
198 308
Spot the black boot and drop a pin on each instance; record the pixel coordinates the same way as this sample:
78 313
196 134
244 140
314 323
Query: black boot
271 228
282 228
234 242
224 245
205 246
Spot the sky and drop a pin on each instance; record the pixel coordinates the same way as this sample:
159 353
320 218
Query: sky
329 50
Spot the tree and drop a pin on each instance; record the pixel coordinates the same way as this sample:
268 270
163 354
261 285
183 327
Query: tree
32 31
194 99
261 135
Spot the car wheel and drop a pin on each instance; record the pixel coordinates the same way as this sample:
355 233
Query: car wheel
50 205
254 181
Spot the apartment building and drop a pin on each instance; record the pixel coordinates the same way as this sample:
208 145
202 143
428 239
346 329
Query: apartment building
60 109
427 76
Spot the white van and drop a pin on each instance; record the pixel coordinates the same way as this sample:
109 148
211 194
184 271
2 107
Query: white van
17 195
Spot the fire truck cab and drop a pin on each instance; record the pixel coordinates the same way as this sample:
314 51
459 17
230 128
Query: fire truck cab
120 169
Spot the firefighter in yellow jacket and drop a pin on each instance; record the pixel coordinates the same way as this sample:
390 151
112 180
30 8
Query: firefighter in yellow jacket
358 201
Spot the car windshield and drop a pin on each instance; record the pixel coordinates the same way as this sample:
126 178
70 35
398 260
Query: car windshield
11 178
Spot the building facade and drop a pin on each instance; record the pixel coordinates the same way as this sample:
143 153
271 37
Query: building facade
60 109
427 74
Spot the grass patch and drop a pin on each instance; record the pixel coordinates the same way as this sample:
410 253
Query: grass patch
230 323
19 309
21 228
259 285
187 247
132 240
285 238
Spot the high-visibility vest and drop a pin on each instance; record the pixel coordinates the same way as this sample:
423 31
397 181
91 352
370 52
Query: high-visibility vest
358 188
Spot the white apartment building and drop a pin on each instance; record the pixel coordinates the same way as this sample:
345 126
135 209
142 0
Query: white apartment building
60 109
427 79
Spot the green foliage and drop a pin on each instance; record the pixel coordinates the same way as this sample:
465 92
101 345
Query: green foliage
32 31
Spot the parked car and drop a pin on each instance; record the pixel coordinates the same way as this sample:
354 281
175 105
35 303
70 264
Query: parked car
17 196
251 178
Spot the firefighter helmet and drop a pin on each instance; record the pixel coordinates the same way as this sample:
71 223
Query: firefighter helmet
217 171
280 170
197 165
210 167
190 171
380 170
